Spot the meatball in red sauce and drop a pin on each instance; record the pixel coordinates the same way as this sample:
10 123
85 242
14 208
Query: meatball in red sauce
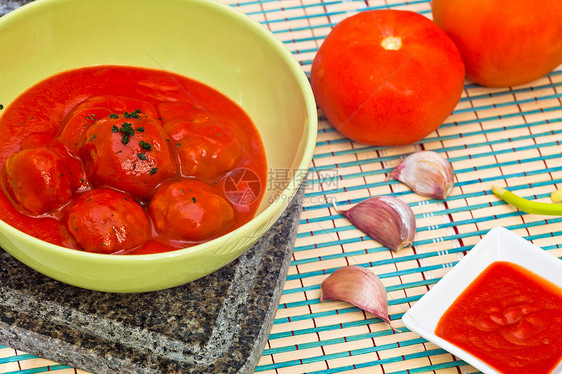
129 153
107 221
37 179
190 210
205 150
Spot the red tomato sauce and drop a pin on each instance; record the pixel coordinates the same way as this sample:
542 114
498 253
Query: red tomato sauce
127 160
509 318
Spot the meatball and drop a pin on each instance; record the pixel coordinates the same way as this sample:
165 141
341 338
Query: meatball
119 105
74 128
107 221
37 179
76 173
190 210
130 154
205 150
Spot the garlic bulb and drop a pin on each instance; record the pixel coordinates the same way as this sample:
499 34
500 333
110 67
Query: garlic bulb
427 173
358 286
386 219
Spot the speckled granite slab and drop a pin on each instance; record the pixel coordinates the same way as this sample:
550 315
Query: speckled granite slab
217 324
7 6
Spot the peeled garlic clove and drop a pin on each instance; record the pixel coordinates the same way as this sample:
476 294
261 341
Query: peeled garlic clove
386 219
358 286
427 173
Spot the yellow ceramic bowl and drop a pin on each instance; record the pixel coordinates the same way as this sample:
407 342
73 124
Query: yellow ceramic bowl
201 39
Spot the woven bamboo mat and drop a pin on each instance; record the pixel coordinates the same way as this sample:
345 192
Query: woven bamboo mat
507 137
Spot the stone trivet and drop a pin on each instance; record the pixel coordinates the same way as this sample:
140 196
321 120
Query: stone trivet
7 6
217 324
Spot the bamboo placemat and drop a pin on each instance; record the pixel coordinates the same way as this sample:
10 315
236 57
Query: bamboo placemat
507 137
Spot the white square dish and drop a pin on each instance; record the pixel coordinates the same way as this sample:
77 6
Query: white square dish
499 244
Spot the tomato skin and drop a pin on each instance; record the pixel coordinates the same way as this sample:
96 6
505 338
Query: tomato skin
106 221
37 179
387 96
188 209
504 43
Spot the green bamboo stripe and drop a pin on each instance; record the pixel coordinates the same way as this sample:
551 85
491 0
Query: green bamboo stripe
354 352
506 104
327 14
422 255
446 211
473 145
318 329
315 344
480 120
425 369
414 244
443 225
450 197
40 369
316 301
412 356
22 357
457 147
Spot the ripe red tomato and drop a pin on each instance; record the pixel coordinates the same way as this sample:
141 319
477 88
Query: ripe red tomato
387 77
504 43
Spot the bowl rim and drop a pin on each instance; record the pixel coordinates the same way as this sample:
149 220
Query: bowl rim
257 221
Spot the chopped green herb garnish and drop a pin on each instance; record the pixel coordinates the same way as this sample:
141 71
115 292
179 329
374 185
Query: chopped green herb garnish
114 129
140 129
113 115
141 156
127 128
145 145
135 114
153 170
125 139
194 200
1 106
92 138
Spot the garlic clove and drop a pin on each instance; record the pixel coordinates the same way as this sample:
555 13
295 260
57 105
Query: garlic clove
427 173
386 219
358 286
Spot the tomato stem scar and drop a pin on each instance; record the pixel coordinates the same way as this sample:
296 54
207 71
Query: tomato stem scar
393 43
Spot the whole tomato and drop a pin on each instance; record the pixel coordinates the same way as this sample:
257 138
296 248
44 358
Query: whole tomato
387 77
504 43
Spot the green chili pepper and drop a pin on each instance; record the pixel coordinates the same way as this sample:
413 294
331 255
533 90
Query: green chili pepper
528 206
